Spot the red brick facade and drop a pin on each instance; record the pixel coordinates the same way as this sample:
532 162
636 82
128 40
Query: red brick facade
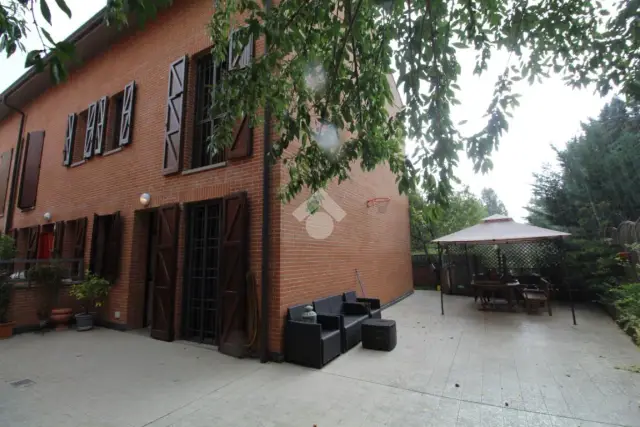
301 268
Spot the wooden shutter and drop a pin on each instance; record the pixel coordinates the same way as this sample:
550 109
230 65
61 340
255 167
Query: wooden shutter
91 131
58 239
101 125
79 238
31 170
126 123
174 123
165 272
233 264
67 152
95 256
240 58
5 167
111 263
242 140
32 242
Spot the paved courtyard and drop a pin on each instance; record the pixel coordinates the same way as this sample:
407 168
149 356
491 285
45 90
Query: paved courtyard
467 368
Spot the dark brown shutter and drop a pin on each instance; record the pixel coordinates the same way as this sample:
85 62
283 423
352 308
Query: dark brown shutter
165 273
242 140
126 123
111 263
240 58
233 264
58 239
79 238
32 242
67 152
91 131
5 167
95 261
174 122
101 125
31 170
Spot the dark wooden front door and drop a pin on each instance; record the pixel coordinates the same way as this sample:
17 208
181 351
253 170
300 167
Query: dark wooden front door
168 220
234 264
200 314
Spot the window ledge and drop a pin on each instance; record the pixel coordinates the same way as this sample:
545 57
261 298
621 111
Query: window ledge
110 152
205 168
76 164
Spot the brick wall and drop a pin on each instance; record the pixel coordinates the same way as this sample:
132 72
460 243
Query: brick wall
114 182
301 268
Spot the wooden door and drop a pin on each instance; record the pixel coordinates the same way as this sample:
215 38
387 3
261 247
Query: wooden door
233 264
166 254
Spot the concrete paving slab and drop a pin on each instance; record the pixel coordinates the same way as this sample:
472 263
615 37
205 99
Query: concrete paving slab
467 368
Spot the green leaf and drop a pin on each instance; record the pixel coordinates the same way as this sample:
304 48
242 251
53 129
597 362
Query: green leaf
46 12
63 6
47 36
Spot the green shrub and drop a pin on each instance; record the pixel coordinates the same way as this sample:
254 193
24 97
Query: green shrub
91 291
626 299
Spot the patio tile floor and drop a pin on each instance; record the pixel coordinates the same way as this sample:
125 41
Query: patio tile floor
461 369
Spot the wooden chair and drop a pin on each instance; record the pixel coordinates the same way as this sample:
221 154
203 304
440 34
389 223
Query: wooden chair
537 297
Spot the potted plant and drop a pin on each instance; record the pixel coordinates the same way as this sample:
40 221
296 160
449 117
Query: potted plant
49 277
91 292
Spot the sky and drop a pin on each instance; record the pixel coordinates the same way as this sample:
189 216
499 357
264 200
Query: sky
550 113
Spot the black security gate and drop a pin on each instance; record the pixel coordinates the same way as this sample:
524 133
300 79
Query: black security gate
202 273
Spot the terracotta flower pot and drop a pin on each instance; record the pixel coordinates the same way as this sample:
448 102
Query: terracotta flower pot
6 330
60 317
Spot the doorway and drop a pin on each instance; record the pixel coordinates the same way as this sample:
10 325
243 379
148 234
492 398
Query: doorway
202 273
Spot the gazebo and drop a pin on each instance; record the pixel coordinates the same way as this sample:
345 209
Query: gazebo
501 244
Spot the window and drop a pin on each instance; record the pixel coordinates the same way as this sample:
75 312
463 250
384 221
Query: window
79 137
114 121
105 246
207 76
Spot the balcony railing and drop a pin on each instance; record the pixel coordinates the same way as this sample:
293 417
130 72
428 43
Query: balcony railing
73 269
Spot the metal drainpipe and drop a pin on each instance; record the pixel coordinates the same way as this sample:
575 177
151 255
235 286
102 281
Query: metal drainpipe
8 223
266 222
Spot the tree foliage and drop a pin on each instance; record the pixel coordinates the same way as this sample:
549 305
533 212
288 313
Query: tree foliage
594 188
492 202
326 64
596 184
429 221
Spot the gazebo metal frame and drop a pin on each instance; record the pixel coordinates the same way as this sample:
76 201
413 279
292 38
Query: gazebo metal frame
502 244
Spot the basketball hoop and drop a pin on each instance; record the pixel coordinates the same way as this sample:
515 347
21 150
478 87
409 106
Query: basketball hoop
381 203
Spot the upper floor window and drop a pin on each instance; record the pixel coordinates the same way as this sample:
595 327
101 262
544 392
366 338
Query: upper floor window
106 125
208 76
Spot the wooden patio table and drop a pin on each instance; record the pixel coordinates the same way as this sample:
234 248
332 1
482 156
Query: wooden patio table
487 289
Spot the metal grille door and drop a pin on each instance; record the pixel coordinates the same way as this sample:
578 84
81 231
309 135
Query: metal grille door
203 246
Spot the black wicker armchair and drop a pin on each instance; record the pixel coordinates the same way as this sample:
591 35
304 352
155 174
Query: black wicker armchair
353 314
372 304
311 344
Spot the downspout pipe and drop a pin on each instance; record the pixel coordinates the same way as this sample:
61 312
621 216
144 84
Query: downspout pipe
266 224
8 222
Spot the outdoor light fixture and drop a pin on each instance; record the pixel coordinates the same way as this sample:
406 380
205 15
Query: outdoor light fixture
47 216
145 199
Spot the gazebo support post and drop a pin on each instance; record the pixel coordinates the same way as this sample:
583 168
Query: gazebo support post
564 279
440 270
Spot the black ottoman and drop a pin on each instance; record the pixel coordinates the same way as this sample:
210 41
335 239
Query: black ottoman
379 334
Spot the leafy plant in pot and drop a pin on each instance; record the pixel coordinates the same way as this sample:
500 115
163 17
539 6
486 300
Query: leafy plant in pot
49 276
92 292
7 252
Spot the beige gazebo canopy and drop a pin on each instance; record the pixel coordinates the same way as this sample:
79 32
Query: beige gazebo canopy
500 229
